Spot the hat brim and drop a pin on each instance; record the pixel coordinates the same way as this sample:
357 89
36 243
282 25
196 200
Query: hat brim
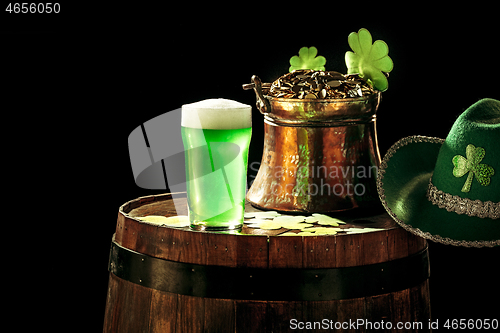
402 184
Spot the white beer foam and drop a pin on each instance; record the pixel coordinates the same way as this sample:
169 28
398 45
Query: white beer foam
217 113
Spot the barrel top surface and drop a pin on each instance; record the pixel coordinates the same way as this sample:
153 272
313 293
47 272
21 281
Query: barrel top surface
258 248
166 205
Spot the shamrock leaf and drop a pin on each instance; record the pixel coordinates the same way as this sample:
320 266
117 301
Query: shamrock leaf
471 165
368 60
307 60
461 167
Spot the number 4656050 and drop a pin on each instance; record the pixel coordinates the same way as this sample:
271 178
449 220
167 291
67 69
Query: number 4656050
27 7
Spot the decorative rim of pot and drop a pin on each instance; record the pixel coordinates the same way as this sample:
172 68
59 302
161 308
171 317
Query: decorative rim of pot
321 112
325 100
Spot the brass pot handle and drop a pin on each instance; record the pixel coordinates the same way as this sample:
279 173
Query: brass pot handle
262 103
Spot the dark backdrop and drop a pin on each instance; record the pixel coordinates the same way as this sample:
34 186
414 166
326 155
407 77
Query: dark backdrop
76 85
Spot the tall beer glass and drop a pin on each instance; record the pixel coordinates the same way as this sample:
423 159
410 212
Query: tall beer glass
216 135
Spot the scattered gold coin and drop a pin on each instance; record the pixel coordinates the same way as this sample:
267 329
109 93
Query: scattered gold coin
361 230
172 221
262 215
324 220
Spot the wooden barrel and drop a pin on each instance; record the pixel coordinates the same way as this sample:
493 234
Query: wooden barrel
166 279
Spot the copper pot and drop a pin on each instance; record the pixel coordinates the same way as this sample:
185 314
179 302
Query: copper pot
320 155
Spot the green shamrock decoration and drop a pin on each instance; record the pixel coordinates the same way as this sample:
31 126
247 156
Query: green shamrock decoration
471 165
368 60
307 60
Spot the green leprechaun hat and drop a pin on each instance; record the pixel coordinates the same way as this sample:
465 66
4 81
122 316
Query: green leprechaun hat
448 191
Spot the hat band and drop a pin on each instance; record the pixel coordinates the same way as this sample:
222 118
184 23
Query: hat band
459 205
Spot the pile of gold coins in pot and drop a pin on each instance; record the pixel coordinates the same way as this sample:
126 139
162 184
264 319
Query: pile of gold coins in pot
311 84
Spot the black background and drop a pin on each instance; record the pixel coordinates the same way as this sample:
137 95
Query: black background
76 84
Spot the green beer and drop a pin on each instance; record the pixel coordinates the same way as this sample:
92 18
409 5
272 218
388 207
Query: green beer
216 135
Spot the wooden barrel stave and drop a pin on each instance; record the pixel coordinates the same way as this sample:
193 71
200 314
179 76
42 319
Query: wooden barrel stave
149 310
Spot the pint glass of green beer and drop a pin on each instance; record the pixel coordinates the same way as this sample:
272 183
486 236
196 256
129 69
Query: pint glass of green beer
216 135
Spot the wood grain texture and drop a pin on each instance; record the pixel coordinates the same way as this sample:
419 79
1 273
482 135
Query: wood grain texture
134 308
